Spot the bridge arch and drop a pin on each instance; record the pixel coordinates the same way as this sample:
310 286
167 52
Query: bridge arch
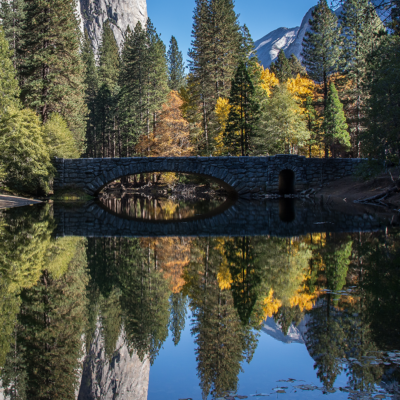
243 176
215 175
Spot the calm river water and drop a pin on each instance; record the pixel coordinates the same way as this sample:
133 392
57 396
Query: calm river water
137 298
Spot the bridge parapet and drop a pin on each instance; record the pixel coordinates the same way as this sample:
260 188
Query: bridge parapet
240 175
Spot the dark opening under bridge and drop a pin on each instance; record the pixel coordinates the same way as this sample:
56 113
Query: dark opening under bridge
241 176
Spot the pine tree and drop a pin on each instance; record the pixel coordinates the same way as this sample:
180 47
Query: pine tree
360 25
214 55
12 15
321 46
133 78
296 68
312 125
395 17
107 96
281 67
9 90
335 126
144 84
176 67
92 88
243 115
51 71
381 139
157 79
109 59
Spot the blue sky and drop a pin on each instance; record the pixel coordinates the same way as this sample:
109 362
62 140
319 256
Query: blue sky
174 17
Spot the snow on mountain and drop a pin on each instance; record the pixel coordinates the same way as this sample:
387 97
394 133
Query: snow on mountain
291 40
269 46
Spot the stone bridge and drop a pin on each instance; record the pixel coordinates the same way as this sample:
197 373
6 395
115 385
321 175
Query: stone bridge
238 175
283 218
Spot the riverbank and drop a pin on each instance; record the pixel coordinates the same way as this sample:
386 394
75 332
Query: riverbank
7 201
352 189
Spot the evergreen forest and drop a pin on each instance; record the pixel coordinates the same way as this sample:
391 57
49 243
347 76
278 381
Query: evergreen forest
60 98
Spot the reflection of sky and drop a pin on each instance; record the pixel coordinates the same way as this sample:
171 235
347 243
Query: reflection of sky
174 376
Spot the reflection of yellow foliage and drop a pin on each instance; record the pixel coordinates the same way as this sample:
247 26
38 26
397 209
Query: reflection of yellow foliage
169 207
305 301
270 305
224 278
301 87
172 255
268 81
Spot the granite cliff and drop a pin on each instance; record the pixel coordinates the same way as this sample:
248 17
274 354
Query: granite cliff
123 377
121 13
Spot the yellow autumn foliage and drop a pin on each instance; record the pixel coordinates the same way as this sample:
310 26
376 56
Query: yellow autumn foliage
170 137
301 87
268 81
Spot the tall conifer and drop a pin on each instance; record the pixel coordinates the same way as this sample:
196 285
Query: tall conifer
144 83
9 90
51 71
108 73
360 25
243 115
176 66
335 125
133 77
281 67
214 55
92 87
321 46
157 79
12 14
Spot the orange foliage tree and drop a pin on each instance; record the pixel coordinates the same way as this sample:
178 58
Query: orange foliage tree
170 136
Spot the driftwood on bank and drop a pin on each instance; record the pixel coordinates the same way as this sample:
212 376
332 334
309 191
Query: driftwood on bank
379 198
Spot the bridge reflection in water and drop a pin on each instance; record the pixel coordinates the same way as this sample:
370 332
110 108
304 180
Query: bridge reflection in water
241 218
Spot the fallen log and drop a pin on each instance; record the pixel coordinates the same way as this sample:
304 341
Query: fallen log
378 199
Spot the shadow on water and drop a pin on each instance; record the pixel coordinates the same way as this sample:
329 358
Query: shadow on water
281 218
287 210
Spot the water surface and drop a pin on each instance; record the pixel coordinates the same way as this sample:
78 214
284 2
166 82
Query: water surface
99 301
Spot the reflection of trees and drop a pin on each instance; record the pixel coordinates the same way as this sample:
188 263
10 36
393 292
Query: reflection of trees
44 362
131 291
145 305
157 209
378 269
246 275
337 327
178 304
223 342
26 249
285 263
326 341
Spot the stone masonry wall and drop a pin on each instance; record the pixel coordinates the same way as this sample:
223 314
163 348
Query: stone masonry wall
240 175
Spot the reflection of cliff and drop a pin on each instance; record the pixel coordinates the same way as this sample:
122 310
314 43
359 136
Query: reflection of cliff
122 377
